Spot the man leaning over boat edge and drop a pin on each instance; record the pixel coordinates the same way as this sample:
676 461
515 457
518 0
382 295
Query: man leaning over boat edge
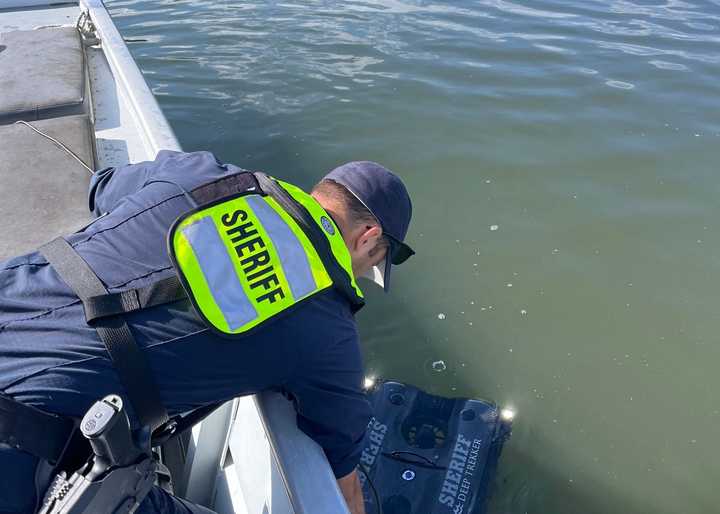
51 359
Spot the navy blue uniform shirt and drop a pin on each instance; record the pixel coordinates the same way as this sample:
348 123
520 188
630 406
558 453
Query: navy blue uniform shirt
50 358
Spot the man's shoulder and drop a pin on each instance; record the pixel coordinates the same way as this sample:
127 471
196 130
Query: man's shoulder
197 166
179 157
140 187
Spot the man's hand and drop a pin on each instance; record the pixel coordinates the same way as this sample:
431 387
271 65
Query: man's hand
352 491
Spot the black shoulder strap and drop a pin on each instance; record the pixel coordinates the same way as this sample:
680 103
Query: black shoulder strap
225 186
128 359
312 231
162 291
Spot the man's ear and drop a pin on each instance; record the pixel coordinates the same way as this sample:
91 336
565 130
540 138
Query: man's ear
368 238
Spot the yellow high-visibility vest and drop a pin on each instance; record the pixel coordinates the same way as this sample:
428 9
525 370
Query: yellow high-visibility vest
246 258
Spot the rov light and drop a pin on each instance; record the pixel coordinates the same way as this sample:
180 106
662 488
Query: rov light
369 382
507 414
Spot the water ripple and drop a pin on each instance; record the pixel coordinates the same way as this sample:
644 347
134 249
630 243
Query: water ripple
664 65
367 36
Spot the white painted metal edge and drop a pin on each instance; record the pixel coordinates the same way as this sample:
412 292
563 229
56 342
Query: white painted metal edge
251 455
158 133
229 497
211 441
308 478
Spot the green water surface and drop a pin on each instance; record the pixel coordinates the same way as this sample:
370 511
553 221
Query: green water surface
563 162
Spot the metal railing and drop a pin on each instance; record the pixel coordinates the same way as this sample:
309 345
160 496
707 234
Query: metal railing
273 468
155 129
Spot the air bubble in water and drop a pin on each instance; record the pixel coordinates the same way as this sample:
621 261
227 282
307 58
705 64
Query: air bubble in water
439 366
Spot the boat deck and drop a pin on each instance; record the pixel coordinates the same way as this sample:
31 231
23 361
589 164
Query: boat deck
128 123
82 94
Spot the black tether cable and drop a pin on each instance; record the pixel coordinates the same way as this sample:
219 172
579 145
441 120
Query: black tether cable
128 359
365 472
423 462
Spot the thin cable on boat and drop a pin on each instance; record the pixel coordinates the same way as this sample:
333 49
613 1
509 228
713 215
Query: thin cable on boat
80 20
59 144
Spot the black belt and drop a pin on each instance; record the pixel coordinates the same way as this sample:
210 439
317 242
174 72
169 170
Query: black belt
32 430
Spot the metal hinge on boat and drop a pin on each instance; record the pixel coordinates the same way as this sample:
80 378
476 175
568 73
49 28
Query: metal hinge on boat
87 30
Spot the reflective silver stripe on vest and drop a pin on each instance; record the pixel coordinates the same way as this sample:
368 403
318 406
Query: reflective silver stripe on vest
218 269
292 255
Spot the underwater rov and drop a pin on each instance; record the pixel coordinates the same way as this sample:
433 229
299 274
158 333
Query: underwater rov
426 454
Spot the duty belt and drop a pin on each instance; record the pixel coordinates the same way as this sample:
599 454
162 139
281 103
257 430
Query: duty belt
34 431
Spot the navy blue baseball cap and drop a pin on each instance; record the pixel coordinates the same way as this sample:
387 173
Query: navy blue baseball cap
385 196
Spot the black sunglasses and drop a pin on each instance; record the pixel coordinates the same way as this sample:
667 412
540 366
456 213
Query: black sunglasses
399 251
